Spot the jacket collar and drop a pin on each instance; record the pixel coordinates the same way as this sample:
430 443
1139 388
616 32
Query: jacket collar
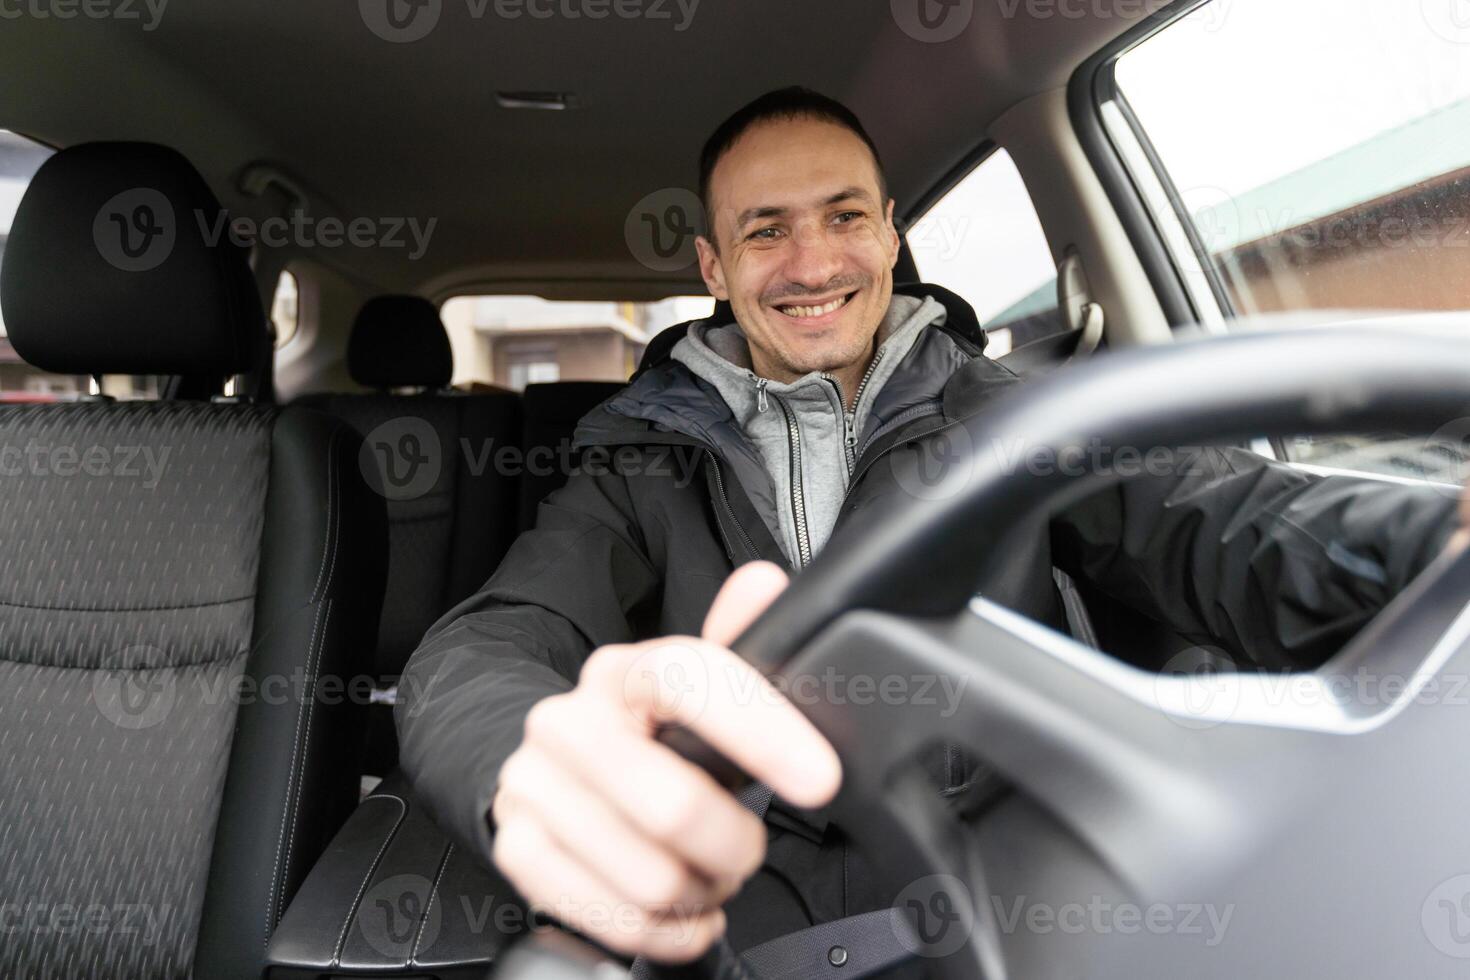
666 402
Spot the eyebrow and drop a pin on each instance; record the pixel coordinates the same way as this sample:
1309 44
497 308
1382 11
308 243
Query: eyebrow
774 211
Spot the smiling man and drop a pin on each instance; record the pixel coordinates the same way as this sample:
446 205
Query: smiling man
531 709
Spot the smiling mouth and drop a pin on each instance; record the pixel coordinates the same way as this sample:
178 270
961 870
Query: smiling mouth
822 309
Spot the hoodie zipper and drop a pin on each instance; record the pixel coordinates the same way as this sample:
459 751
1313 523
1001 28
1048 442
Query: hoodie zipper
798 491
849 418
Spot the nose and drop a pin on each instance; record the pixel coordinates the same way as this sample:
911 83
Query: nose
813 260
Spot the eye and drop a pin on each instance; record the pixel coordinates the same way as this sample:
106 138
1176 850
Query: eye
768 234
843 217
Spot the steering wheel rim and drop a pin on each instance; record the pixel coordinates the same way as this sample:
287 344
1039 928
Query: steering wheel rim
904 588
876 596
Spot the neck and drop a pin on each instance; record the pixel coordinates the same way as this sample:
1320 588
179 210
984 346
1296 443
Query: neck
848 376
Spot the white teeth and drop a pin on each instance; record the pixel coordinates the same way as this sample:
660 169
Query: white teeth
803 311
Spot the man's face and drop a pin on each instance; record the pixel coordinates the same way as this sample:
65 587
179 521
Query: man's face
806 245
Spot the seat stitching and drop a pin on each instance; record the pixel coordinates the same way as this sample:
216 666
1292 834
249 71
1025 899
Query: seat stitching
272 900
362 888
327 542
298 758
413 955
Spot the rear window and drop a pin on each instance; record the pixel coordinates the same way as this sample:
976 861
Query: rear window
20 158
513 341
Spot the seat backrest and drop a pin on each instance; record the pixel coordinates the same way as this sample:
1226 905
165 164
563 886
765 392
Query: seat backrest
552 411
181 589
451 500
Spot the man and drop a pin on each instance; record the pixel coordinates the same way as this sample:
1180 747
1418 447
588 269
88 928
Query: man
532 707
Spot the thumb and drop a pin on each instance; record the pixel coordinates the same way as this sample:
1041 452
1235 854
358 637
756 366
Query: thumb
744 596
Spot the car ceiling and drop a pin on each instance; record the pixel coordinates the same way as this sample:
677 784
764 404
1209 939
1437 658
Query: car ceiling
398 130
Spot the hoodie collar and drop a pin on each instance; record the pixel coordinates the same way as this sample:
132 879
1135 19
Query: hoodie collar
720 355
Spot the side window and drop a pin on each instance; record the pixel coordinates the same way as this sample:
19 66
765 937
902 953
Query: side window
984 241
285 308
1333 175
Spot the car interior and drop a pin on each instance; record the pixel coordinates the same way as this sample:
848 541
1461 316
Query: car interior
248 461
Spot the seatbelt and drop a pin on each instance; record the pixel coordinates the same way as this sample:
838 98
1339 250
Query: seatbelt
843 949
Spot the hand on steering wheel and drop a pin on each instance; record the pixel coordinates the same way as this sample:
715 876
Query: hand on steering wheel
613 833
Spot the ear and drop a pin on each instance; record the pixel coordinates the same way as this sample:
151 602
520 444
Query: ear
890 231
711 268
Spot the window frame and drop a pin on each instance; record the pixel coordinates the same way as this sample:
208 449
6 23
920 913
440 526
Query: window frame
1142 196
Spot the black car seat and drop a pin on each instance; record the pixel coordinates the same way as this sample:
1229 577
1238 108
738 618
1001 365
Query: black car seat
183 588
451 496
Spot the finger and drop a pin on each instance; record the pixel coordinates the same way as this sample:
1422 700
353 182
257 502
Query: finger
671 802
683 681
596 835
744 596
553 882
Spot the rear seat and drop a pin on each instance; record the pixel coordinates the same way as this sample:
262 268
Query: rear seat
552 411
451 514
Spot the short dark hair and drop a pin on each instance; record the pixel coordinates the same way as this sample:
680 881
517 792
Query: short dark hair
793 102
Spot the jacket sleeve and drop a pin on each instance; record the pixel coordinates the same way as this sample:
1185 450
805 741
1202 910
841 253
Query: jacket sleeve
1277 566
565 587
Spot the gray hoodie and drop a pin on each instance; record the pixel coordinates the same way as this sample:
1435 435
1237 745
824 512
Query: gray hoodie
804 435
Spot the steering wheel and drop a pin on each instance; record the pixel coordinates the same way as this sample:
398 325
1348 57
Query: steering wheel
1319 831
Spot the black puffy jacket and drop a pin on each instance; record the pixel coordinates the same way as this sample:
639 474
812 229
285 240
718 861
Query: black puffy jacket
1276 566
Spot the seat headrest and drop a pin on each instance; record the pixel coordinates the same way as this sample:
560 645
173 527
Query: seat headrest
119 262
399 342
